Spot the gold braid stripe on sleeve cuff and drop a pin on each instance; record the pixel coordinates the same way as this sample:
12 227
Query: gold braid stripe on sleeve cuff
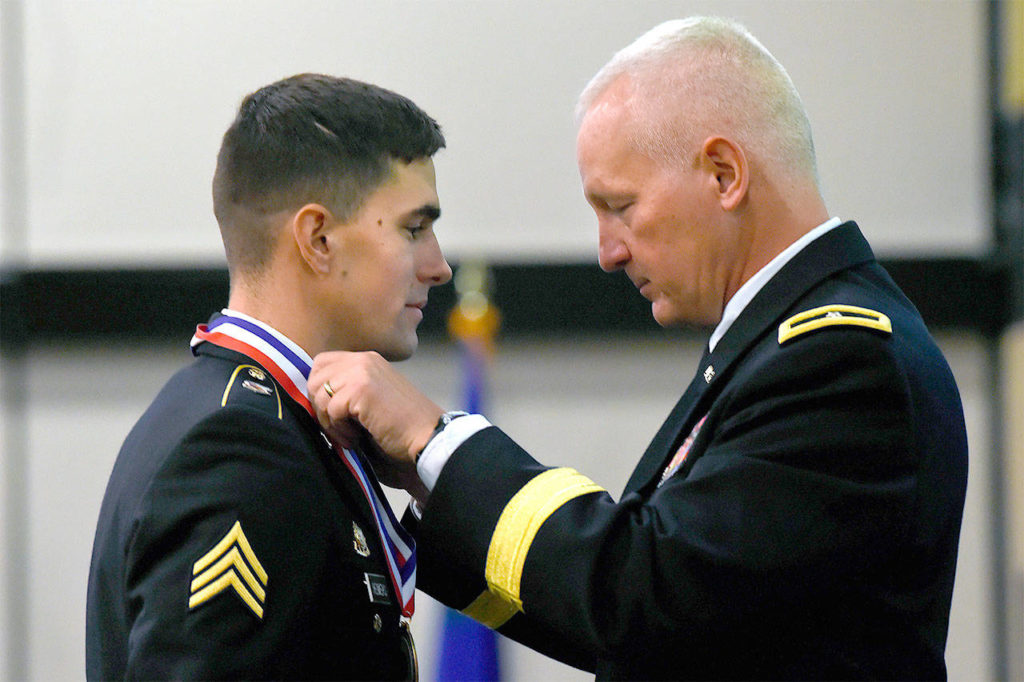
490 610
519 523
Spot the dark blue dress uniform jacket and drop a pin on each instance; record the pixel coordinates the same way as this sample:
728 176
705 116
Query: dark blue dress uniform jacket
223 444
810 534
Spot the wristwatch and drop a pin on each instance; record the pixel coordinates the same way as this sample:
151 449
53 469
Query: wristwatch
443 421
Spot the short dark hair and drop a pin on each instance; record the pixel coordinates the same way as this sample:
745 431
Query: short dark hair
310 138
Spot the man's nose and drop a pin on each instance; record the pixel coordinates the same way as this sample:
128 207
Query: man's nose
612 253
434 269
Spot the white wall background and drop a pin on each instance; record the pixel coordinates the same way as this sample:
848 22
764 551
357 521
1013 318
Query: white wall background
126 103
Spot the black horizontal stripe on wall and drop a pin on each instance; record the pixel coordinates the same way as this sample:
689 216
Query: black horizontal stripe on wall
165 304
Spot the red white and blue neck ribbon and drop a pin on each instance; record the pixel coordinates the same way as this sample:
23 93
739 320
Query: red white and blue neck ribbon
290 366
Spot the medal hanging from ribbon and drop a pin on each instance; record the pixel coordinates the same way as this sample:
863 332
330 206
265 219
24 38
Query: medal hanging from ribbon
290 366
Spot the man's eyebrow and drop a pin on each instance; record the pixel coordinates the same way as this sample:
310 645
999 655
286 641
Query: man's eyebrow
428 211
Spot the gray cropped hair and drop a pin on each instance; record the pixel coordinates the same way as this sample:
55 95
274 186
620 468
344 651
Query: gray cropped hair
690 77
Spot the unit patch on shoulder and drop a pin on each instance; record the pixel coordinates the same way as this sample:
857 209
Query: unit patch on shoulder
232 564
836 315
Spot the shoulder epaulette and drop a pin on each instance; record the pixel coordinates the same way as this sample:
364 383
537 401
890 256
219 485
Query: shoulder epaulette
251 384
836 315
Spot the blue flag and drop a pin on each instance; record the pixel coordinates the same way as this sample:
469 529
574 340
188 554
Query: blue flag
469 651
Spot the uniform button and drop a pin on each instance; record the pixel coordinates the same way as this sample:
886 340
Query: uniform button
377 622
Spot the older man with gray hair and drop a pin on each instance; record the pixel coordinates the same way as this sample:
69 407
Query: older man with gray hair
798 513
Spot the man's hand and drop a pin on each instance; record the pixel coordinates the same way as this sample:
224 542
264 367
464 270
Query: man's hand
366 391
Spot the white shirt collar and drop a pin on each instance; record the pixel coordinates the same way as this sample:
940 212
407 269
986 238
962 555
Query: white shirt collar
745 294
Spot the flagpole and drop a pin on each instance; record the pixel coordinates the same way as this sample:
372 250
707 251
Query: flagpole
469 650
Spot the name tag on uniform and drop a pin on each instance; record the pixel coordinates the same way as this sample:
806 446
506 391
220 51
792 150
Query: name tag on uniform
377 588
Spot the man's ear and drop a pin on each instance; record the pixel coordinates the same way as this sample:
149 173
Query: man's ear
311 229
727 169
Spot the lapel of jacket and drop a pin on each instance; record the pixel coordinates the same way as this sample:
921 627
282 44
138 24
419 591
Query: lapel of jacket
836 250
654 457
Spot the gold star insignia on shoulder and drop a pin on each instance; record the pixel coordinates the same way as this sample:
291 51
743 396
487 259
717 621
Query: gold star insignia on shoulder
232 564
833 316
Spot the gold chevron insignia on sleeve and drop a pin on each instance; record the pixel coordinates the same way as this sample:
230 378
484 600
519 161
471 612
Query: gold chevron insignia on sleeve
230 565
519 524
836 315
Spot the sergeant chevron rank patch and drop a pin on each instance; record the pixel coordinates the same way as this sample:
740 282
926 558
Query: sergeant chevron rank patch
832 316
230 565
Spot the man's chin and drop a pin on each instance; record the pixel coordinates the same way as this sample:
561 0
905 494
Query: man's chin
397 353
669 317
666 316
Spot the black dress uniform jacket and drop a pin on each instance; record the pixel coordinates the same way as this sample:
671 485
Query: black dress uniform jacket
233 543
811 532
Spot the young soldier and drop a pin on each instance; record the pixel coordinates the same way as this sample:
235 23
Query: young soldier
234 541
